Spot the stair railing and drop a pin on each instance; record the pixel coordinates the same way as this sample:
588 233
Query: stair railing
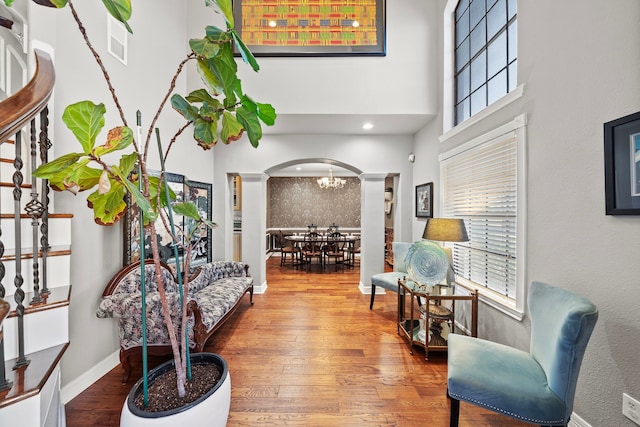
20 115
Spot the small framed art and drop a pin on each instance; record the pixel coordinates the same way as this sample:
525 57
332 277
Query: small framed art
622 165
424 200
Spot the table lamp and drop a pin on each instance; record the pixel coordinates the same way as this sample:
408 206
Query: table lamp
446 230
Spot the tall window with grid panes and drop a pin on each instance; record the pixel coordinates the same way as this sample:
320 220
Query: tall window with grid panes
485 54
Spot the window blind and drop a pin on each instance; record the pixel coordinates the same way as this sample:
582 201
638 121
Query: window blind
480 186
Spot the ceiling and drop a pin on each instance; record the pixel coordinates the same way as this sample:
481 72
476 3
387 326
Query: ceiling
344 124
348 124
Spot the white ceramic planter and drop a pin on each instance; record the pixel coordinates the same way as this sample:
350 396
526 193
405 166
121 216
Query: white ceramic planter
211 410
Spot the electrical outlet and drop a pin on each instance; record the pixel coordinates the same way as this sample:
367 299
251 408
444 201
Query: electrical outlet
631 408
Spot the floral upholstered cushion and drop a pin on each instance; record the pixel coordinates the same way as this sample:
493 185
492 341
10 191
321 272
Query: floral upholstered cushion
131 282
212 271
218 298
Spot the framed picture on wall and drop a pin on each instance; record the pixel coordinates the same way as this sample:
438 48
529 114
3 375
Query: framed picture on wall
424 200
300 28
132 227
622 165
201 239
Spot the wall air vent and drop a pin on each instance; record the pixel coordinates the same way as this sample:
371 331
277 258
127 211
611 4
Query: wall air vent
116 39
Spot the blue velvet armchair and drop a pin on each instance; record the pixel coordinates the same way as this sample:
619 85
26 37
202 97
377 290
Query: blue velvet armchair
538 386
389 280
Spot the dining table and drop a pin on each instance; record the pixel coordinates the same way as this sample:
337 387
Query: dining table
298 240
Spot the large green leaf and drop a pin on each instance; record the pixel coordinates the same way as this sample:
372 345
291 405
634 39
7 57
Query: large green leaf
201 95
127 163
231 129
266 113
110 207
121 10
83 176
204 48
118 138
216 34
85 119
206 132
208 77
77 177
188 209
220 73
183 107
250 122
47 170
226 7
246 54
48 3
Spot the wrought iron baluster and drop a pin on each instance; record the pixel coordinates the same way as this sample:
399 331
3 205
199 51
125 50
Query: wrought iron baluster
18 279
4 311
34 209
45 146
4 383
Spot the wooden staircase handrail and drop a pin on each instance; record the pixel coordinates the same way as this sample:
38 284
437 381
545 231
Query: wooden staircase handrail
17 110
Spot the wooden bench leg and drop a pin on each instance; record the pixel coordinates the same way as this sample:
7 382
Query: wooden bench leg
126 366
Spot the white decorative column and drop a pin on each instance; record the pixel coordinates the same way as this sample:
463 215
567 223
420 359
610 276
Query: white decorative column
254 227
372 225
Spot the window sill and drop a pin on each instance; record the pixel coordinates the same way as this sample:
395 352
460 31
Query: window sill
483 114
499 302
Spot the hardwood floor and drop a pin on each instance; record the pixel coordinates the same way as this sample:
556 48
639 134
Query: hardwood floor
309 352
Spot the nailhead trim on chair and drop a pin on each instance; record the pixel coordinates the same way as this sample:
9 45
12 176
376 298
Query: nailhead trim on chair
493 408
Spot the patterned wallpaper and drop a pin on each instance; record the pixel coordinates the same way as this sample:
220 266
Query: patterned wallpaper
296 202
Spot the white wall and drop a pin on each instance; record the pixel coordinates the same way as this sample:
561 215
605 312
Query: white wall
580 62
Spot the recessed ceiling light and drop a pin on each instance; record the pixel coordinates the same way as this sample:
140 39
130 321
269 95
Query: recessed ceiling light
355 24
298 168
367 126
272 23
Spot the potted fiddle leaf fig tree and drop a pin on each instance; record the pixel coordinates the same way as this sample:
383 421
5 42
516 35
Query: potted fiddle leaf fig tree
218 112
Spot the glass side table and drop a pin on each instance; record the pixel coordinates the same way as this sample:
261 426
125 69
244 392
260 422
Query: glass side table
427 314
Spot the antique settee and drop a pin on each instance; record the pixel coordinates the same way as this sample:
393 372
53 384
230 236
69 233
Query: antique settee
215 291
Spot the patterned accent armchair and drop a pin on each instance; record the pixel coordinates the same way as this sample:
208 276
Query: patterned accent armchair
537 386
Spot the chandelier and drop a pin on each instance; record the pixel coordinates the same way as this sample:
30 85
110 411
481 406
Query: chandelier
331 181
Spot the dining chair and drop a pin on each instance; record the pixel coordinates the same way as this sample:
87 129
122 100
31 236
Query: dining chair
389 280
312 248
538 386
335 248
287 249
353 250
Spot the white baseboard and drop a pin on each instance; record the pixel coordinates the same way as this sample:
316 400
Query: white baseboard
260 289
80 384
576 421
366 289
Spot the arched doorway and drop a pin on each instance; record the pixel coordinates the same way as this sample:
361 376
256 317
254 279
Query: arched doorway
254 220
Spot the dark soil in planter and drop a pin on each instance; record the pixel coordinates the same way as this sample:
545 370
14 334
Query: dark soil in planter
163 394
